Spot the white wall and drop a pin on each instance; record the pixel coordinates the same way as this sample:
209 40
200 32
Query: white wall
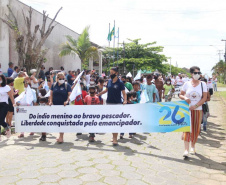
4 37
56 38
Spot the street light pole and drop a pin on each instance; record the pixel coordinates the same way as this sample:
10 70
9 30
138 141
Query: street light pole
225 50
170 66
219 51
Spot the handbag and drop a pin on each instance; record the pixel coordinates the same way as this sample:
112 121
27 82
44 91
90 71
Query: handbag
204 106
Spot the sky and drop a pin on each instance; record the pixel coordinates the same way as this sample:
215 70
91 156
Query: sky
190 31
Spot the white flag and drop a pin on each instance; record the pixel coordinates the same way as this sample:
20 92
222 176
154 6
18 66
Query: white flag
129 75
76 91
46 87
144 97
48 94
78 77
138 76
29 95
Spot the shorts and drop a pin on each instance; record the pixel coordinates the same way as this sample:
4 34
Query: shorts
211 91
10 107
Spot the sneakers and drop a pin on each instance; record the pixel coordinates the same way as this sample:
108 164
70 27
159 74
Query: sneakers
8 133
185 154
192 151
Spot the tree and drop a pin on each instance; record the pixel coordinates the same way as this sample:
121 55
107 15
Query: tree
81 47
220 70
137 56
29 45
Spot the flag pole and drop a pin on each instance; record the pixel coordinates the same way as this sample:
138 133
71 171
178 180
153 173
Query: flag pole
108 35
114 44
118 46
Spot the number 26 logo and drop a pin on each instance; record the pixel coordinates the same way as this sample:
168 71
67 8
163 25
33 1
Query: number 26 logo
176 111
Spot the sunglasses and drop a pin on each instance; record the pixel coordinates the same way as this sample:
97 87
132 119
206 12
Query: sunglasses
199 73
61 78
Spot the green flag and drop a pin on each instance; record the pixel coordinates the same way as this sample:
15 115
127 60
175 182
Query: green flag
111 34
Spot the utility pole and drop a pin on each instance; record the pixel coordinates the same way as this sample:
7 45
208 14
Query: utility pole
225 50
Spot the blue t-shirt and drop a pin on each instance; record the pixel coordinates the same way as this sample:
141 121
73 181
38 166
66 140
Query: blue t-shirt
60 93
151 89
10 72
114 91
69 77
138 96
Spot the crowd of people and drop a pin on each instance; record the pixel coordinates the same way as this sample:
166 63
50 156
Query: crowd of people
53 87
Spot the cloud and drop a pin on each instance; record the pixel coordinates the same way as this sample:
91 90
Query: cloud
198 23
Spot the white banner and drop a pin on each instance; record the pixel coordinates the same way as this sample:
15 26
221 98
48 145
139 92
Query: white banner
162 117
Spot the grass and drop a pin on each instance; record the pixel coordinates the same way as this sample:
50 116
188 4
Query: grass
220 85
222 94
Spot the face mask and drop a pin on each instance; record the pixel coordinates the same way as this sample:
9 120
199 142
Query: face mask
168 82
0 81
42 104
61 81
92 92
113 76
196 77
124 81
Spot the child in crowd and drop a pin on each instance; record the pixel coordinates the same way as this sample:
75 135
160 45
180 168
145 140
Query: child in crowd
130 100
91 99
136 88
42 102
168 90
100 89
151 90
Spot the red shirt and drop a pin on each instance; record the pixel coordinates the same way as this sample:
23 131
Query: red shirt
79 98
91 100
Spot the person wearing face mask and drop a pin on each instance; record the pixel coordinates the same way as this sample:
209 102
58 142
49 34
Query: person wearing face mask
114 88
127 84
5 93
59 95
168 90
194 92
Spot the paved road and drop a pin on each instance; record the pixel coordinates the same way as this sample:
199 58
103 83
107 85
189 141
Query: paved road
146 159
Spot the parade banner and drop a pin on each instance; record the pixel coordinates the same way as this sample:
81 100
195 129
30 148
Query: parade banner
139 118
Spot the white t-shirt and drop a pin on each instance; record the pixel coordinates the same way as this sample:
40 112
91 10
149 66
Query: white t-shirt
172 81
87 79
4 94
180 82
194 93
33 85
210 84
185 79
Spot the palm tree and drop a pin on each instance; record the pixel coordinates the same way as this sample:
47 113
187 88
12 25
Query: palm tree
81 47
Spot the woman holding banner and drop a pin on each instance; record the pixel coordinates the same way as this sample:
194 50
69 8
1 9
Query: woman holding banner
194 92
114 88
59 95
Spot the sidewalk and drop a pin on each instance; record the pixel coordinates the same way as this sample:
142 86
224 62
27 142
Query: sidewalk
154 158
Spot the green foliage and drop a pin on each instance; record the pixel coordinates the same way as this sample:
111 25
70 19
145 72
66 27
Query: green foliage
81 47
220 71
139 56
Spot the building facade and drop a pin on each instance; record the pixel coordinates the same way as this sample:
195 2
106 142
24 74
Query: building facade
56 38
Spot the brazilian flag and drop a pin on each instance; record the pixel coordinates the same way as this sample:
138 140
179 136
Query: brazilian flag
111 34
